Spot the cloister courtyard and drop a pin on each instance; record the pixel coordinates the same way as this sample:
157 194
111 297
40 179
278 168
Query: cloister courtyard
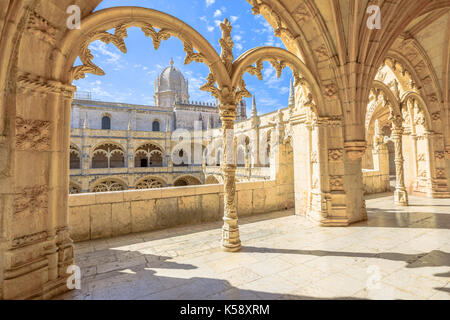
399 253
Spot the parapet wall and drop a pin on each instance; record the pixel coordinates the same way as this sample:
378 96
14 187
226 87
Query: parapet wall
104 215
376 181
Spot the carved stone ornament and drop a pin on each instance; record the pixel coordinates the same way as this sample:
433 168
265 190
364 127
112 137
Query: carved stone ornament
29 239
440 155
337 183
41 28
32 134
335 154
34 199
120 33
440 173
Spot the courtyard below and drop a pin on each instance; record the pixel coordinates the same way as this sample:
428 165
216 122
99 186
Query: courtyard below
399 253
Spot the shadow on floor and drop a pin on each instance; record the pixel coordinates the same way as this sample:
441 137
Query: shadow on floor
399 218
140 282
435 258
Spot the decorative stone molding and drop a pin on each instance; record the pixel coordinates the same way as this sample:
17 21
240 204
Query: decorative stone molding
41 28
321 52
108 185
432 98
280 29
331 91
337 183
335 154
120 33
355 149
32 134
436 116
149 184
33 199
440 173
28 82
440 155
333 121
301 13
29 239
447 153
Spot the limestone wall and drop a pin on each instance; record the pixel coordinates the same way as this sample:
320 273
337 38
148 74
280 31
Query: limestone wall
375 181
104 215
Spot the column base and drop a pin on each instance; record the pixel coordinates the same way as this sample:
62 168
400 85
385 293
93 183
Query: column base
401 197
230 240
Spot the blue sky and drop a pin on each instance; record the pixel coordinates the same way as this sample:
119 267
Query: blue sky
130 77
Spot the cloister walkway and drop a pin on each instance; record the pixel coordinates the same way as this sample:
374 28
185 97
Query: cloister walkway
400 253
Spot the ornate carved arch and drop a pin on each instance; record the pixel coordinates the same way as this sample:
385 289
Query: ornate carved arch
150 182
417 63
109 184
413 96
106 142
120 19
279 59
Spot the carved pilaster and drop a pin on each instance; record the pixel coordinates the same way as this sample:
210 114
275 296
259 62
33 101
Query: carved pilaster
230 231
400 194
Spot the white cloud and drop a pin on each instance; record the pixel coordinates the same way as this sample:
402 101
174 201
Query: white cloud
217 13
217 22
237 38
210 2
239 47
100 47
210 29
233 19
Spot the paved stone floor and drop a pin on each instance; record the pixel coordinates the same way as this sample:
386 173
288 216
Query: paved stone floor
399 253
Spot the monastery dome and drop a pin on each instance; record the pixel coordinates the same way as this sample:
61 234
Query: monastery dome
171 79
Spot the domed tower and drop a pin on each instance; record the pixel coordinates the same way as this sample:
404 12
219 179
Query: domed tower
171 87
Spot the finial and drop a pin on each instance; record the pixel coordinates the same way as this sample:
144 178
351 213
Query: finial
171 62
254 111
291 95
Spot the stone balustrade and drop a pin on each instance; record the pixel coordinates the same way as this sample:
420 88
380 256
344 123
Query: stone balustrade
104 215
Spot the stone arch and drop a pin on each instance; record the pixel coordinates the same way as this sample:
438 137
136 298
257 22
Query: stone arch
243 152
148 155
298 29
211 180
120 19
108 185
421 104
150 182
186 180
108 155
75 157
280 59
74 187
426 150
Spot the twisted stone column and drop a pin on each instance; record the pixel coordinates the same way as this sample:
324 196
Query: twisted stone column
230 231
400 194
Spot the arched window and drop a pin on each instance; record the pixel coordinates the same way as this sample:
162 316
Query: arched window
155 126
106 123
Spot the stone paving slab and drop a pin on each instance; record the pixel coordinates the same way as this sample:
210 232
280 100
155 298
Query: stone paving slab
399 253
